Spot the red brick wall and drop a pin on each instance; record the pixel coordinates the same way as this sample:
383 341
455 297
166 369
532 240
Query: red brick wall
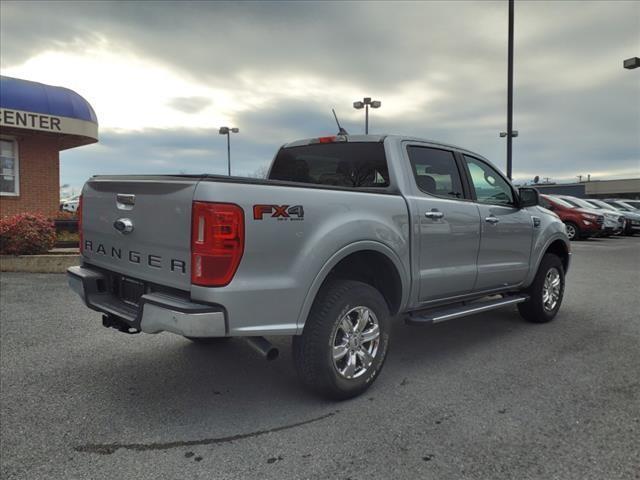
39 169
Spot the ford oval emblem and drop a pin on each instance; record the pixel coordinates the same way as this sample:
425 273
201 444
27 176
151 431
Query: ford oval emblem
123 225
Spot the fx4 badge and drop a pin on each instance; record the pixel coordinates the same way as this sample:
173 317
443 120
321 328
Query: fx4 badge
281 212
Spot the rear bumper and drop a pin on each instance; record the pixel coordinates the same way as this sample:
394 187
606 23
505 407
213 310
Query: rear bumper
156 312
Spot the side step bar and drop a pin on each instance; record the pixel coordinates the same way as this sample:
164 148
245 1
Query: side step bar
449 313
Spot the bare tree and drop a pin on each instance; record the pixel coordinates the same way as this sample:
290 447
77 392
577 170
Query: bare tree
261 172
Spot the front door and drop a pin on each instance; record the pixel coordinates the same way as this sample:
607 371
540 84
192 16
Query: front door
506 230
447 226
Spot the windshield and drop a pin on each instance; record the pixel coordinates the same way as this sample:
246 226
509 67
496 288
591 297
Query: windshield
634 203
603 205
621 206
562 202
593 204
578 202
355 165
627 205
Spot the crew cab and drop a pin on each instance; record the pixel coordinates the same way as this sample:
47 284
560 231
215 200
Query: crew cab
346 235
580 223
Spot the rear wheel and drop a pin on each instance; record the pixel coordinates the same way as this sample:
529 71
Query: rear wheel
345 339
573 232
546 291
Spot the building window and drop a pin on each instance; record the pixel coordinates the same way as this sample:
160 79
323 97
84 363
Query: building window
9 181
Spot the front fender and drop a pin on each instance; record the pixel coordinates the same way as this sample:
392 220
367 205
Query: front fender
552 231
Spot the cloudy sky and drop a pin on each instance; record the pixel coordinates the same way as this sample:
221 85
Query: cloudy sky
164 76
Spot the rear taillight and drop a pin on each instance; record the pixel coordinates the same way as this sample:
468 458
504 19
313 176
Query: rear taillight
79 214
217 242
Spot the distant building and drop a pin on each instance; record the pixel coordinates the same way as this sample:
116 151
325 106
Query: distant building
624 188
37 121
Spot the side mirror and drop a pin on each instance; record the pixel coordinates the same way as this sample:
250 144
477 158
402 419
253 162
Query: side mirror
529 197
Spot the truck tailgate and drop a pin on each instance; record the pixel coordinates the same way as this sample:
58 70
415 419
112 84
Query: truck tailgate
158 208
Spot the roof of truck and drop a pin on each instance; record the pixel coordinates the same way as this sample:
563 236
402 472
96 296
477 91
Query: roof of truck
376 138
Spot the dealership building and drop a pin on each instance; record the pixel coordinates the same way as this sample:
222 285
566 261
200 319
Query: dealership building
37 121
622 188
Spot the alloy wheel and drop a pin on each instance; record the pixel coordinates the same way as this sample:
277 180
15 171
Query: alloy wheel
355 342
551 289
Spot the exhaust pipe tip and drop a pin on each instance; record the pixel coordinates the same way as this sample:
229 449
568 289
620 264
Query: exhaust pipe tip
272 354
264 347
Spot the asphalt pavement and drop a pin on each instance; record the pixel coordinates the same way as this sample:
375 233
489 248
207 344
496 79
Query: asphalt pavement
483 397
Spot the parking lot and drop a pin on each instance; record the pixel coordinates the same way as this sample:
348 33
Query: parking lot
488 396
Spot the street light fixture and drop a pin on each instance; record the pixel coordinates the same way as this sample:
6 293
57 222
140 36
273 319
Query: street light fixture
228 131
631 63
514 133
366 103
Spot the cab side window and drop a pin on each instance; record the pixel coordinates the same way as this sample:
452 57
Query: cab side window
490 187
435 171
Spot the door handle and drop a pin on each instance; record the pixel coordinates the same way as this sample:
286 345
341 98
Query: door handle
434 214
492 220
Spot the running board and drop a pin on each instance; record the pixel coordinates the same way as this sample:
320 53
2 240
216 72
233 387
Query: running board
449 313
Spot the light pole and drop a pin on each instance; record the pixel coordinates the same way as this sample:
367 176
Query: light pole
366 103
509 133
227 131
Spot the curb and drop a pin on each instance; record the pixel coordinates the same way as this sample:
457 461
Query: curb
38 263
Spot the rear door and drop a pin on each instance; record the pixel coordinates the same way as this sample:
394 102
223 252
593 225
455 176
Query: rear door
506 230
140 227
447 225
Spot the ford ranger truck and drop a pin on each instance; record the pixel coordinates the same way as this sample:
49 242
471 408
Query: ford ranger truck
346 235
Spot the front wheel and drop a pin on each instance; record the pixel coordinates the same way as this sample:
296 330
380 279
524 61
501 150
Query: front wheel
546 291
573 232
345 339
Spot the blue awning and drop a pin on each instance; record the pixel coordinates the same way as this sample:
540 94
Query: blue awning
27 96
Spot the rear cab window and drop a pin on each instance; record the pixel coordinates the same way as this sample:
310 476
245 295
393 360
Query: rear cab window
341 164
435 171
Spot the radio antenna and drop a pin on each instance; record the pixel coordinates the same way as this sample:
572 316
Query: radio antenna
341 131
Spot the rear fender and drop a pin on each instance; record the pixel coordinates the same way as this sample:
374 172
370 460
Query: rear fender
339 256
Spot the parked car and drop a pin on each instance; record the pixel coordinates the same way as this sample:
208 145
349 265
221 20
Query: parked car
599 204
633 203
580 223
347 234
613 222
70 204
632 215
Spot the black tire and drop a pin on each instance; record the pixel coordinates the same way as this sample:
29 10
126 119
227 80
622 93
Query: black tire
534 310
208 340
577 235
313 351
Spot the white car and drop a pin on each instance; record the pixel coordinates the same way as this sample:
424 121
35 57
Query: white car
70 204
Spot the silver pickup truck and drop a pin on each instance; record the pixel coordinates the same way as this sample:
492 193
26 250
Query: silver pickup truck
346 235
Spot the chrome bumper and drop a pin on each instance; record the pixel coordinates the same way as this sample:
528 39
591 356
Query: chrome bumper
156 312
